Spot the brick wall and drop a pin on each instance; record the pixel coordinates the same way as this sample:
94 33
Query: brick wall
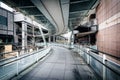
108 36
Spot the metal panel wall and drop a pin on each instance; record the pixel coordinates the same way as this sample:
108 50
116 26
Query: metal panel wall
108 38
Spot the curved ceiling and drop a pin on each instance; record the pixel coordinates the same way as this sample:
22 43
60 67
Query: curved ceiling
56 15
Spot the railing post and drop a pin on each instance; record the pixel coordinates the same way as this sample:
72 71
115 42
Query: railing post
88 56
37 48
24 36
17 63
104 68
38 56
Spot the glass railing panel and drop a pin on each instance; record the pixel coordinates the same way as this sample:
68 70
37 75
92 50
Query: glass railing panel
12 67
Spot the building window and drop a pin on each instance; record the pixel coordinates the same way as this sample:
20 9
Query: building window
3 20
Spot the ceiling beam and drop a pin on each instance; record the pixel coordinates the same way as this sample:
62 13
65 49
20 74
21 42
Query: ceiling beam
37 15
76 17
65 13
77 11
41 7
43 20
53 7
78 1
21 7
73 2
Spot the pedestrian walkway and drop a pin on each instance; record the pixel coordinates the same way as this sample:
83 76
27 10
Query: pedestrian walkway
62 64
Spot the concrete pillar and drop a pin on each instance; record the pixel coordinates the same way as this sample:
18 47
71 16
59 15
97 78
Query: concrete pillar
54 38
33 41
15 35
24 36
72 40
89 39
49 38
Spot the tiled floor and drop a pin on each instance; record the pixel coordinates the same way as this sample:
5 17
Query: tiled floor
62 64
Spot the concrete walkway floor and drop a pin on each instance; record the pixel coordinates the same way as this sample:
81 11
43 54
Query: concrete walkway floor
62 64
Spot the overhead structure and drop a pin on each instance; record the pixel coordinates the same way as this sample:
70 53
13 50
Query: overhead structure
79 10
56 15
55 11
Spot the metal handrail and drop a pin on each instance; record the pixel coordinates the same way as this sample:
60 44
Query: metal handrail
13 51
117 72
21 57
116 57
8 52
